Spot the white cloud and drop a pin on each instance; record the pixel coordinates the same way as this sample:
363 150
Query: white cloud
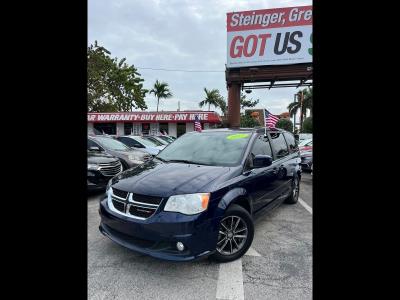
176 34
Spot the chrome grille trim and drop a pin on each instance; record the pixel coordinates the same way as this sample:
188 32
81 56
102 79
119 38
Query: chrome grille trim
129 202
110 169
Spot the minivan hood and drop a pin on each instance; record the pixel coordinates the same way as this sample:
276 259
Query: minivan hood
165 179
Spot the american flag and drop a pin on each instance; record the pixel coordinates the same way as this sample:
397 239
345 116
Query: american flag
197 124
270 119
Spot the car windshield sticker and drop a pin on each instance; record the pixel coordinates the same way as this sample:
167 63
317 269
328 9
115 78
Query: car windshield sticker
237 136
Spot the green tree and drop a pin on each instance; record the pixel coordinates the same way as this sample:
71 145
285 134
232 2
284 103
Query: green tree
296 106
308 99
285 124
247 121
247 102
161 91
222 105
112 84
213 97
307 125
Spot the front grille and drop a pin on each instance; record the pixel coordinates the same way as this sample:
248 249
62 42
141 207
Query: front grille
136 205
119 193
119 205
146 199
140 211
110 169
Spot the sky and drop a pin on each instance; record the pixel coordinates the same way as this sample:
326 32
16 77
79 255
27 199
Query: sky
178 34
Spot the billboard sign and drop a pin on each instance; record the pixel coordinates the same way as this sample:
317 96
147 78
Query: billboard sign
265 37
154 117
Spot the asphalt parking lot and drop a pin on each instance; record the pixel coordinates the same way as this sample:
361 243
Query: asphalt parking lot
277 266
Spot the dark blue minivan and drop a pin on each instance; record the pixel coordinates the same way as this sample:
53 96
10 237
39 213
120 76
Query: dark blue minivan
199 195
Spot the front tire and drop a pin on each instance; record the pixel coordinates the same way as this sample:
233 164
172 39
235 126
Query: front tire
235 234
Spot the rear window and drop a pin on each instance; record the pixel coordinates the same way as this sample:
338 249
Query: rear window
279 145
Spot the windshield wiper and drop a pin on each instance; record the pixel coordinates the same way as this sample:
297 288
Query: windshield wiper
187 162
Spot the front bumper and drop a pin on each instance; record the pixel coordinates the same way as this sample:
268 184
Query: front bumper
158 235
96 181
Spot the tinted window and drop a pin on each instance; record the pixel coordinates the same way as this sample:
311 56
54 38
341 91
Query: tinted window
129 142
291 142
260 146
90 143
279 144
224 148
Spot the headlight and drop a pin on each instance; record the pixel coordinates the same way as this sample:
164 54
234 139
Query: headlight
135 158
92 167
189 204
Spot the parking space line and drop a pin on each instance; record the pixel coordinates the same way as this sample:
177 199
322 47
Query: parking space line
252 252
230 281
305 205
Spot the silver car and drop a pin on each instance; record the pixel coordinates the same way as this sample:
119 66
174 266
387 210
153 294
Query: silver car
129 157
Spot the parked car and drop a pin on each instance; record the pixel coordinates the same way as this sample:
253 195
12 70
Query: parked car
305 145
306 160
156 140
136 141
167 138
198 196
101 168
305 136
129 157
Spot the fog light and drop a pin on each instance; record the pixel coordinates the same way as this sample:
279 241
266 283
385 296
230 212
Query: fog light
180 246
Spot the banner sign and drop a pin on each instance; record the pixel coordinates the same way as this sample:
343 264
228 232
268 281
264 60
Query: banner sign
269 37
154 117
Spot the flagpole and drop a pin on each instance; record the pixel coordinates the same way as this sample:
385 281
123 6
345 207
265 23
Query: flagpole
265 124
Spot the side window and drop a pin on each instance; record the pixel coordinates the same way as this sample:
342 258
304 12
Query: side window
279 144
260 146
90 143
127 141
291 142
136 144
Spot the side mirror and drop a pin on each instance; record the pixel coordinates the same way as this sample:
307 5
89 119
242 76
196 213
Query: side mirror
261 161
94 148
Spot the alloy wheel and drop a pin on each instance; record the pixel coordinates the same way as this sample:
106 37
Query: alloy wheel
232 235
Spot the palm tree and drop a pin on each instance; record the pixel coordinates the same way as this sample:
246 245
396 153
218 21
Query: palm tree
161 91
295 106
308 99
213 97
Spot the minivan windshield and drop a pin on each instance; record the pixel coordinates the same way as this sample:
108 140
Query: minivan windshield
219 148
112 144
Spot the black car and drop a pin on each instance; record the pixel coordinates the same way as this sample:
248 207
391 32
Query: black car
129 157
199 195
101 168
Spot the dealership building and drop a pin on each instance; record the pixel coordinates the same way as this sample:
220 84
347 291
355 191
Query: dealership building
174 123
